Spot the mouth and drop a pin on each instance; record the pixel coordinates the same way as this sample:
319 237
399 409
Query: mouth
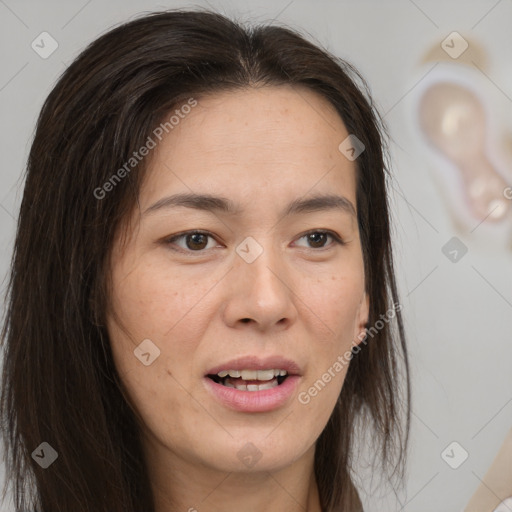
252 384
250 380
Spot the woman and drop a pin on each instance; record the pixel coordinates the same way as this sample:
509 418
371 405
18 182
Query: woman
203 312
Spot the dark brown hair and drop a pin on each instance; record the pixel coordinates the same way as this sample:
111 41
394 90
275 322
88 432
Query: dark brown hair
59 383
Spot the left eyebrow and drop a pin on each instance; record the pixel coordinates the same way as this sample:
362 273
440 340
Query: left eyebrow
320 203
207 202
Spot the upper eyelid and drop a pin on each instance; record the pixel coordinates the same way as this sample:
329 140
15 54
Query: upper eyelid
190 232
337 239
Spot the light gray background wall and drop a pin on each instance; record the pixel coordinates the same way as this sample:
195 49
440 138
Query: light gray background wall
458 315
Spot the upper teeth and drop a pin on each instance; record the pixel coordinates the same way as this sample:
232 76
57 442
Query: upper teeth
253 374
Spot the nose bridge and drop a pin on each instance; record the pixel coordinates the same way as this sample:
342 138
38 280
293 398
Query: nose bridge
260 268
260 289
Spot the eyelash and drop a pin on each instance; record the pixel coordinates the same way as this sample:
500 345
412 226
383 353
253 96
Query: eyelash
169 241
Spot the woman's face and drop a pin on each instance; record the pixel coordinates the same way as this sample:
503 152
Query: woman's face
262 288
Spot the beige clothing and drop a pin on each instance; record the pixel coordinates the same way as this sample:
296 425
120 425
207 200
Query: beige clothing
497 483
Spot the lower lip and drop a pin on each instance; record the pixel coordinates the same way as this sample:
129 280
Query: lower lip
253 401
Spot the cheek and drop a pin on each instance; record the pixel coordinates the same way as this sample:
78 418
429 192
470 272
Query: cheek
172 310
336 299
151 305
152 302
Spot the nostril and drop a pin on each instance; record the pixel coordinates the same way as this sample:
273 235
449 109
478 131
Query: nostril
245 320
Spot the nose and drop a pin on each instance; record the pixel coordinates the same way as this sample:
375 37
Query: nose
260 293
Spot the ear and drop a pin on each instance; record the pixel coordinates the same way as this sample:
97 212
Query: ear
363 315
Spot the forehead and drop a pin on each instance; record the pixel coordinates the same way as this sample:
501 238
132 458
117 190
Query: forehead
272 138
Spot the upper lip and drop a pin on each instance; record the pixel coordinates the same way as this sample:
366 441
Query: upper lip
256 363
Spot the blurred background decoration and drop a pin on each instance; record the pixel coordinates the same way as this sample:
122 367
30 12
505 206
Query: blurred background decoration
471 158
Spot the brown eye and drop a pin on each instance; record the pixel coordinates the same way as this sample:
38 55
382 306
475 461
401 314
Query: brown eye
319 239
191 241
196 241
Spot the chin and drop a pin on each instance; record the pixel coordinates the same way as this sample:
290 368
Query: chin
256 454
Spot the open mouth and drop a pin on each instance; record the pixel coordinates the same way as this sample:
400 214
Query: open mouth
250 380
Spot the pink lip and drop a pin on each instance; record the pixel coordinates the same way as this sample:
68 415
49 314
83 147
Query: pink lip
253 401
255 363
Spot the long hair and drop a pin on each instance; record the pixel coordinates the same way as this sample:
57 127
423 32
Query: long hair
59 383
